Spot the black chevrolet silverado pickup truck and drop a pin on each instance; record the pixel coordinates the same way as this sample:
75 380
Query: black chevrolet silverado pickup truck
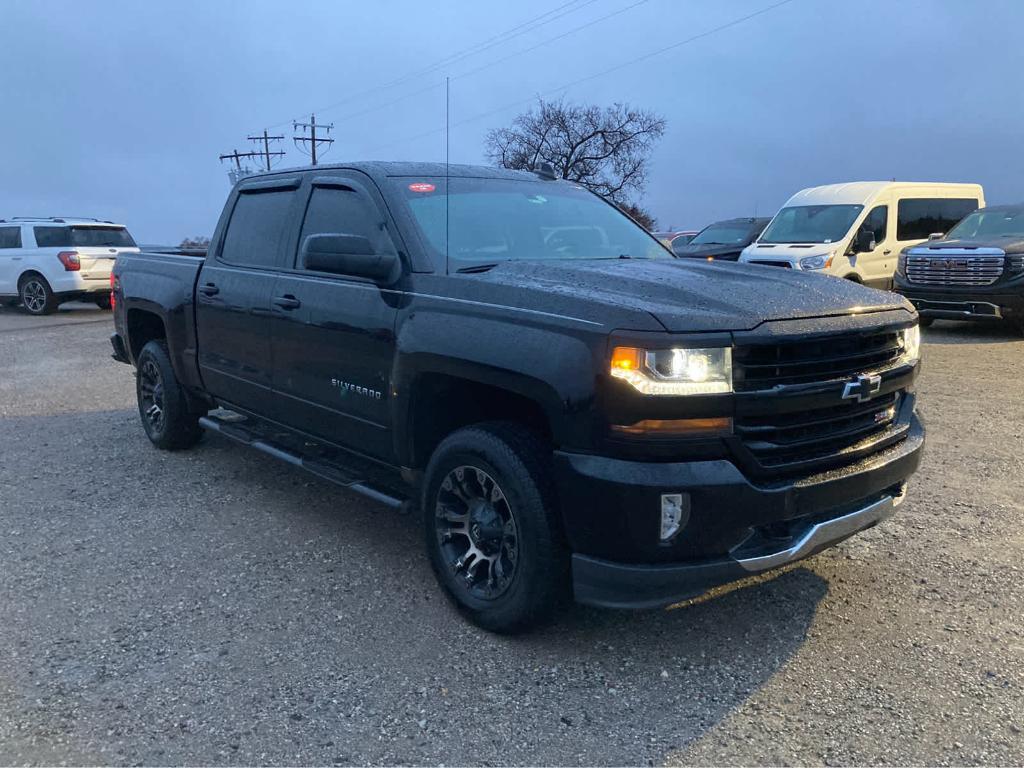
976 272
574 411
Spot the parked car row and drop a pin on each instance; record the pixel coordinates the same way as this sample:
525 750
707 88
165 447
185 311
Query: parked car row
937 244
47 261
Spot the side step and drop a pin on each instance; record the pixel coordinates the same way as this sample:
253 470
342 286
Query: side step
337 466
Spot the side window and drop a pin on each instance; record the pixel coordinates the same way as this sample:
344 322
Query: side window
10 237
334 210
52 237
878 221
919 218
255 236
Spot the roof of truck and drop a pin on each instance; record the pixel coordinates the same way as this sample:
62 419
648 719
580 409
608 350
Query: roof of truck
381 168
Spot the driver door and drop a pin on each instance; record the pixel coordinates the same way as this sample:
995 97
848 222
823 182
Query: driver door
876 267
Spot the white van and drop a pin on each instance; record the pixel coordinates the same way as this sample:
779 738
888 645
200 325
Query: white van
857 230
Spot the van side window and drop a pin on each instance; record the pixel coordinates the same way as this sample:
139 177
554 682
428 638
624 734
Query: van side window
342 211
878 221
10 237
255 236
918 218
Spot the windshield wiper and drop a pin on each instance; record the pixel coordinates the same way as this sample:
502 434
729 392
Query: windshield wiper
476 268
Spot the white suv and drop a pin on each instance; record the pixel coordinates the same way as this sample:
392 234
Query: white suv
46 261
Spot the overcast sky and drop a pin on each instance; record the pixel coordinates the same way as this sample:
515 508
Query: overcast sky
120 109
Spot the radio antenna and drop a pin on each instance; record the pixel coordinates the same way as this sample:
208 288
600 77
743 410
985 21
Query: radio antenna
447 147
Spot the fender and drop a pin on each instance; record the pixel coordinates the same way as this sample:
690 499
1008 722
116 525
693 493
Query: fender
544 363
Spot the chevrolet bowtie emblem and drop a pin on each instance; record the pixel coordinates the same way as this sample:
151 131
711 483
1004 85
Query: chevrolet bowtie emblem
862 389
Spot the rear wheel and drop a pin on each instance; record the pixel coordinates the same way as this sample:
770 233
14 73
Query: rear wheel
491 527
163 407
103 301
36 295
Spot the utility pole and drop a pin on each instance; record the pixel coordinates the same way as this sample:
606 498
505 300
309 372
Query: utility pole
266 154
238 171
311 140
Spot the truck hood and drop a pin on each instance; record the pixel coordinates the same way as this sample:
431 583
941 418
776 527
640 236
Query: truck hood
682 295
1005 244
704 250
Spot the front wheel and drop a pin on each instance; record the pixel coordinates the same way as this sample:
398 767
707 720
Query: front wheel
163 407
491 527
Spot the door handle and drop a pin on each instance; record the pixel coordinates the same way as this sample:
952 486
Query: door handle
287 302
209 289
887 251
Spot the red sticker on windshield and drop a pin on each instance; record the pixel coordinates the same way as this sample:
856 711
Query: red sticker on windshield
421 186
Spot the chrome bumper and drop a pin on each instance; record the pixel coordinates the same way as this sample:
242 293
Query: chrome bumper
825 534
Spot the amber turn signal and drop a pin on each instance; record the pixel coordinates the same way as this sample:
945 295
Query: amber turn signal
710 427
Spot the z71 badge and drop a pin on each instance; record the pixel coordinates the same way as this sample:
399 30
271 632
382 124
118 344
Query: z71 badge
348 387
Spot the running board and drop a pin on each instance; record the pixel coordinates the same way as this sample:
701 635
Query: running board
238 429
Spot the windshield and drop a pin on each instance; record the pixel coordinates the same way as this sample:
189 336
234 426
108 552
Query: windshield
95 237
811 224
989 223
722 234
494 220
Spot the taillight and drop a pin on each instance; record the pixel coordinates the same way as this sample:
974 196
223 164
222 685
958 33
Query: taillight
113 298
70 261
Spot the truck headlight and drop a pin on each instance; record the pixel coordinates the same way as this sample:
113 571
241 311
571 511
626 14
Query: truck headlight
821 261
674 371
901 264
910 340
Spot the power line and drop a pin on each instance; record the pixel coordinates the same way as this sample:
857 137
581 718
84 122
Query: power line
596 75
312 140
266 154
436 86
531 24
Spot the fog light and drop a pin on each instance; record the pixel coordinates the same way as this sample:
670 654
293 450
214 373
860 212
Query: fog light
675 509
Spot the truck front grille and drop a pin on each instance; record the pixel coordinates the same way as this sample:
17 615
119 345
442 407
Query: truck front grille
766 366
794 441
954 269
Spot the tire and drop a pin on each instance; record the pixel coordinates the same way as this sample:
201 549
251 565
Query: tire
926 322
36 296
501 558
172 426
103 301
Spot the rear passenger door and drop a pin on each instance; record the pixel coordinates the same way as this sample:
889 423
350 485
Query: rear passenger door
333 335
234 290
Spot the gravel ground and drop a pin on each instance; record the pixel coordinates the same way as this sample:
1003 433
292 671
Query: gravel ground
216 607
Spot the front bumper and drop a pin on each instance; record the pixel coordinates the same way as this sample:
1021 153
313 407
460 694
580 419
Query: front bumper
734 528
996 302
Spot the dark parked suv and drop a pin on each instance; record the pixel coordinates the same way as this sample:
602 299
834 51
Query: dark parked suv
723 240
976 272
574 411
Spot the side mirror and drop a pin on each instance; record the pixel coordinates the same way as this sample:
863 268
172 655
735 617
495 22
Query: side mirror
351 255
865 241
936 236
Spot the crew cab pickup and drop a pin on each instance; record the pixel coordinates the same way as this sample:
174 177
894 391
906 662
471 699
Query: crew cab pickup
573 411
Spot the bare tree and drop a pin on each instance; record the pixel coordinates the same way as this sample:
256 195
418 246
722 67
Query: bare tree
200 241
603 149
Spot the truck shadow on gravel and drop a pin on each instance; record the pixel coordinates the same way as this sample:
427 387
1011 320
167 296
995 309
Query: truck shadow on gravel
282 619
952 332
